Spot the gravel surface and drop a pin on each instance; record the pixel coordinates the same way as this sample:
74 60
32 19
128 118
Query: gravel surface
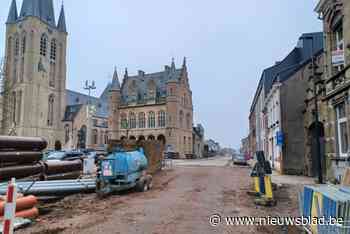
181 201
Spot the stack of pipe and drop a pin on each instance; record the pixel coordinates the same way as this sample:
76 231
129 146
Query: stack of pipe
53 188
25 207
21 157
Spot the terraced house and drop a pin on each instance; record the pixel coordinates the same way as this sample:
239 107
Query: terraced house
154 106
335 15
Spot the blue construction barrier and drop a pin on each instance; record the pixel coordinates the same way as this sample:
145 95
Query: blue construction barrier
327 201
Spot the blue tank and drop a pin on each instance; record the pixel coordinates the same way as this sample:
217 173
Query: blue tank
118 164
121 171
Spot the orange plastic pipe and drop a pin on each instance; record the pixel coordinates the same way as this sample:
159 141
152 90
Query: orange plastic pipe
22 203
31 213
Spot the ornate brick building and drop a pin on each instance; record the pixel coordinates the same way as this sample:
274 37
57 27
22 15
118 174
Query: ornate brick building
335 15
154 106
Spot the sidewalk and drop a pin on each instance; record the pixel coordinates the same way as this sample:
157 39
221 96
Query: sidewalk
291 179
277 178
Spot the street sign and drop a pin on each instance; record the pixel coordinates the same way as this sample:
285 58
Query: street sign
338 57
280 138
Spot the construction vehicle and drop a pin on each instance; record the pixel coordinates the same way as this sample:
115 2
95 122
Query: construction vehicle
123 170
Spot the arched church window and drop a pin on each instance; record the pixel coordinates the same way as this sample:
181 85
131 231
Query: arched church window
50 115
53 50
17 46
23 48
43 45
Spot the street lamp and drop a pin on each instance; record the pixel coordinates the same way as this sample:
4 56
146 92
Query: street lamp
317 125
89 87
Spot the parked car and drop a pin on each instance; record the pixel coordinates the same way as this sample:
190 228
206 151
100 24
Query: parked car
65 155
240 159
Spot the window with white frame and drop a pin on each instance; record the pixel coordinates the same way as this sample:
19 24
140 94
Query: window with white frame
339 42
342 125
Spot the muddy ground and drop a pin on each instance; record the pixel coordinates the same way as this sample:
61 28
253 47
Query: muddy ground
181 201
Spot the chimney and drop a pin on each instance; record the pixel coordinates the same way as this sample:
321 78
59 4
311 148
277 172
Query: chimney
141 73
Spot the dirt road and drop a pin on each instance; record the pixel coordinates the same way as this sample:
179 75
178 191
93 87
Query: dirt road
182 201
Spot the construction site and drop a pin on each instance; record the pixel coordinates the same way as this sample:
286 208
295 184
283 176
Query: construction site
135 188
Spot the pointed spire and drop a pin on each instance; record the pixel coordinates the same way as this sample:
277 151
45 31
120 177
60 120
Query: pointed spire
126 75
184 65
61 25
115 81
173 64
13 14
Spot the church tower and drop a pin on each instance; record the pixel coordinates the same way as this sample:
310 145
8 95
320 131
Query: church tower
35 71
115 98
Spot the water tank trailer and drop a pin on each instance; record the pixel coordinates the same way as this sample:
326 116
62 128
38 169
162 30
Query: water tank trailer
122 170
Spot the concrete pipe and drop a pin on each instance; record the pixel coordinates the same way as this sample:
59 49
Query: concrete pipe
20 157
10 143
20 171
59 167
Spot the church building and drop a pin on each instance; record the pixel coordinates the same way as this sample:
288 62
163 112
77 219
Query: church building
35 101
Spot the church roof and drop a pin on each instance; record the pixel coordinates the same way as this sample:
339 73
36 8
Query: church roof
76 98
142 81
13 14
43 9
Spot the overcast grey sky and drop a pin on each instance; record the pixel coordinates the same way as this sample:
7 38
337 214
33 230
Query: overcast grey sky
228 43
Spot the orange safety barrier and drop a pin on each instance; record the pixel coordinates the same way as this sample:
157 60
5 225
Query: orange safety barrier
22 203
